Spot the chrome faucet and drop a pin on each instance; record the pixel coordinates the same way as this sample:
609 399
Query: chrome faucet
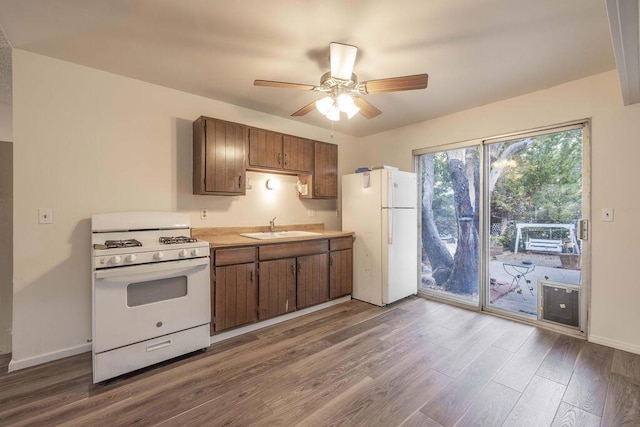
272 225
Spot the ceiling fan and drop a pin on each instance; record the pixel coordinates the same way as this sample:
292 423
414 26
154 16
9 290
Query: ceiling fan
343 92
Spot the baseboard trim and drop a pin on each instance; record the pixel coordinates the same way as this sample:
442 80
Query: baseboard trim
274 321
620 345
15 365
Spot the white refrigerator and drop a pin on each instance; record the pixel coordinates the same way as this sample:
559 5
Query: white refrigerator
380 207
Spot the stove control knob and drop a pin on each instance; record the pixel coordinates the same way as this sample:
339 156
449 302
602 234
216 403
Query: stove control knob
158 255
131 258
195 252
116 259
183 253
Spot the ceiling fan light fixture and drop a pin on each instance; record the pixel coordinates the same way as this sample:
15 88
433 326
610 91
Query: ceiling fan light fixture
323 105
346 105
333 114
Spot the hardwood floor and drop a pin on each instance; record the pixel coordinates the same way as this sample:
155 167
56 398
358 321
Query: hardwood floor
414 363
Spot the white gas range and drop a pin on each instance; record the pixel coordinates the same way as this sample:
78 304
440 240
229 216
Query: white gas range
150 290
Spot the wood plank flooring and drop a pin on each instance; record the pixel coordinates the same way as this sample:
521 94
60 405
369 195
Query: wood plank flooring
414 363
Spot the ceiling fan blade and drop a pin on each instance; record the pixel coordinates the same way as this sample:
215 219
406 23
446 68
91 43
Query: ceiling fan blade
305 110
395 84
283 85
342 58
367 109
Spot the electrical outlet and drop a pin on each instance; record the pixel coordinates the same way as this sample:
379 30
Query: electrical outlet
607 214
204 214
311 212
338 213
45 216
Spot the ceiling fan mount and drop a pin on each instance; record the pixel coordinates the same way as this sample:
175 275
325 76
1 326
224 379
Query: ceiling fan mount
343 91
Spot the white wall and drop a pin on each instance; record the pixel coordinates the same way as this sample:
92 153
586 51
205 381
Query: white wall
615 175
87 141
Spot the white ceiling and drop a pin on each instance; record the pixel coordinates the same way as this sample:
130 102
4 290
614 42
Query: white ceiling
475 51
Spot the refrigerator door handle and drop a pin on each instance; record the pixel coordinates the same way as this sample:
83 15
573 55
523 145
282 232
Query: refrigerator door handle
390 226
390 189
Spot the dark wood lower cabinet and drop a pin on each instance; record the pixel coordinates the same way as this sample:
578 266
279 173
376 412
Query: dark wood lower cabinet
260 282
313 280
235 296
340 273
277 287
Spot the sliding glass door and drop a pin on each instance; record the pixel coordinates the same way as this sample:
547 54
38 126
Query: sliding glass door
450 186
501 221
535 204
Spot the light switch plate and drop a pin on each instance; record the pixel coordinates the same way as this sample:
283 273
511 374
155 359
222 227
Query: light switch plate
607 214
45 216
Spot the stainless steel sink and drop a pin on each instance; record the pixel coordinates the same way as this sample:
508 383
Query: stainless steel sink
266 235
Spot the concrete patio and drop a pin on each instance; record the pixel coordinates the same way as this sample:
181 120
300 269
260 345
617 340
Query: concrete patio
505 294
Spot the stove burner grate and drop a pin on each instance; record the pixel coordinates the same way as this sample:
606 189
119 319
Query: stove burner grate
176 240
128 243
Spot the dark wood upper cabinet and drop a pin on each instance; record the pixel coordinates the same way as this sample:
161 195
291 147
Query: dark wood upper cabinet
297 154
265 149
323 182
218 157
276 152
223 152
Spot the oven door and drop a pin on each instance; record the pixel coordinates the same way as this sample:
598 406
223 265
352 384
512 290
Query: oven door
136 303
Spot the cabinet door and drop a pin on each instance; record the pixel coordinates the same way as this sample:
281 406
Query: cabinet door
313 280
265 149
297 154
224 157
277 287
235 296
325 176
340 273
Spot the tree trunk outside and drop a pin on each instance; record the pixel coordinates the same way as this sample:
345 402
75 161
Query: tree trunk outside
460 274
439 257
473 171
464 275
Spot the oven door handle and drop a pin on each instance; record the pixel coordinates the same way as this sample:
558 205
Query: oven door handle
160 269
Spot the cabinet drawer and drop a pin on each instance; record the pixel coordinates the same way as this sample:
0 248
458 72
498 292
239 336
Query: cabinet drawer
340 243
235 256
289 250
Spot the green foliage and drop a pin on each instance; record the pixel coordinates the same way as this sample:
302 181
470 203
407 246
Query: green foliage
543 182
540 183
443 204
508 239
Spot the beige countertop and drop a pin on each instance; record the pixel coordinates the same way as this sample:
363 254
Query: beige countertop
219 237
